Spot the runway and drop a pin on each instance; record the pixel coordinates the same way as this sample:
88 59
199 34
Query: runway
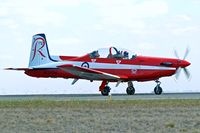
69 97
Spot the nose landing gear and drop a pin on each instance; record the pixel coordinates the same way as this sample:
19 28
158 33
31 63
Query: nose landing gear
158 90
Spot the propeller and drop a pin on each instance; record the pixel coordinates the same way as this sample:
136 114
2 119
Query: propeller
186 71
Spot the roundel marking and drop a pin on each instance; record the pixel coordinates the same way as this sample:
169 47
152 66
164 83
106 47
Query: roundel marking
85 64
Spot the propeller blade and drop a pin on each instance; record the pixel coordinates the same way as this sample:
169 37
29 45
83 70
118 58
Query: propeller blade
186 53
187 73
178 71
176 54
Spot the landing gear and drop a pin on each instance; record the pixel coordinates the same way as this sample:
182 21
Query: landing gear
158 90
106 91
104 88
130 89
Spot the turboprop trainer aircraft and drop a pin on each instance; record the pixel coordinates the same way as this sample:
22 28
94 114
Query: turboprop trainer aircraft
106 65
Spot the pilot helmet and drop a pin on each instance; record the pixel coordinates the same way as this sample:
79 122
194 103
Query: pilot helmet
125 54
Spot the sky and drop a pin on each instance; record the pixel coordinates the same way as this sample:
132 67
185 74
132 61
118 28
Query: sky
77 27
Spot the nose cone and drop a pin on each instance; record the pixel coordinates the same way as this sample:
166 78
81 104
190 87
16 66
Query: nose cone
184 63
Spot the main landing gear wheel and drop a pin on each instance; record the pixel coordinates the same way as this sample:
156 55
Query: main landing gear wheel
158 90
106 91
130 90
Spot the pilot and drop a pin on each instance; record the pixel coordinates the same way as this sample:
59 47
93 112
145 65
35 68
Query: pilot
94 54
126 55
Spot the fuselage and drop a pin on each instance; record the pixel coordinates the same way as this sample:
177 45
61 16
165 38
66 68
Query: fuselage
140 68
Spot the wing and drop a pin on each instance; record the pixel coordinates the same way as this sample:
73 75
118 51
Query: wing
88 73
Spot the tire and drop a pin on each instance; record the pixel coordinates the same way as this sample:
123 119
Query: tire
105 91
130 90
158 90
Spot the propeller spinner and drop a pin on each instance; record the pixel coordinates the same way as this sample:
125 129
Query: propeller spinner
183 64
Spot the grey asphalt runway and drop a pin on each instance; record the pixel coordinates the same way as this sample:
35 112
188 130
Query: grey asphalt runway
67 97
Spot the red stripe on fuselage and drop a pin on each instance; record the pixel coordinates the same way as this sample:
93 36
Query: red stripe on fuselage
49 73
139 75
66 58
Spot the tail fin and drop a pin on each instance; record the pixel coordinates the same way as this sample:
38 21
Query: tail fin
39 51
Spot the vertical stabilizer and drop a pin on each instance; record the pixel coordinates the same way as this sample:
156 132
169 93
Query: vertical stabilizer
39 51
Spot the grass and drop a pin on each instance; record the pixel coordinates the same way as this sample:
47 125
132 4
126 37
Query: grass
99 103
100 116
170 125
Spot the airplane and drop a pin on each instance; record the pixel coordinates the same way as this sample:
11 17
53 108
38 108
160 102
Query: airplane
105 65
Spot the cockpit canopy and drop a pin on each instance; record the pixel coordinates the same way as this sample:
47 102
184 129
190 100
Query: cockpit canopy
112 52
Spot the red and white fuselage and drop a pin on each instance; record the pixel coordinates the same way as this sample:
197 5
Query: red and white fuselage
139 69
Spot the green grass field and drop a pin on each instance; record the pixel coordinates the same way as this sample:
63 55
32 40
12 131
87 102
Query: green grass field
98 103
100 116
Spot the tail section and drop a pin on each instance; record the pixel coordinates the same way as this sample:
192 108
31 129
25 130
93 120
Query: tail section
39 51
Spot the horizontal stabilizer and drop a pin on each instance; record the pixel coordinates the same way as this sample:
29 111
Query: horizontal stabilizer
17 69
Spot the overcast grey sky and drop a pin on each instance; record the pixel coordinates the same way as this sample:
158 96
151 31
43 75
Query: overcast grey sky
76 27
